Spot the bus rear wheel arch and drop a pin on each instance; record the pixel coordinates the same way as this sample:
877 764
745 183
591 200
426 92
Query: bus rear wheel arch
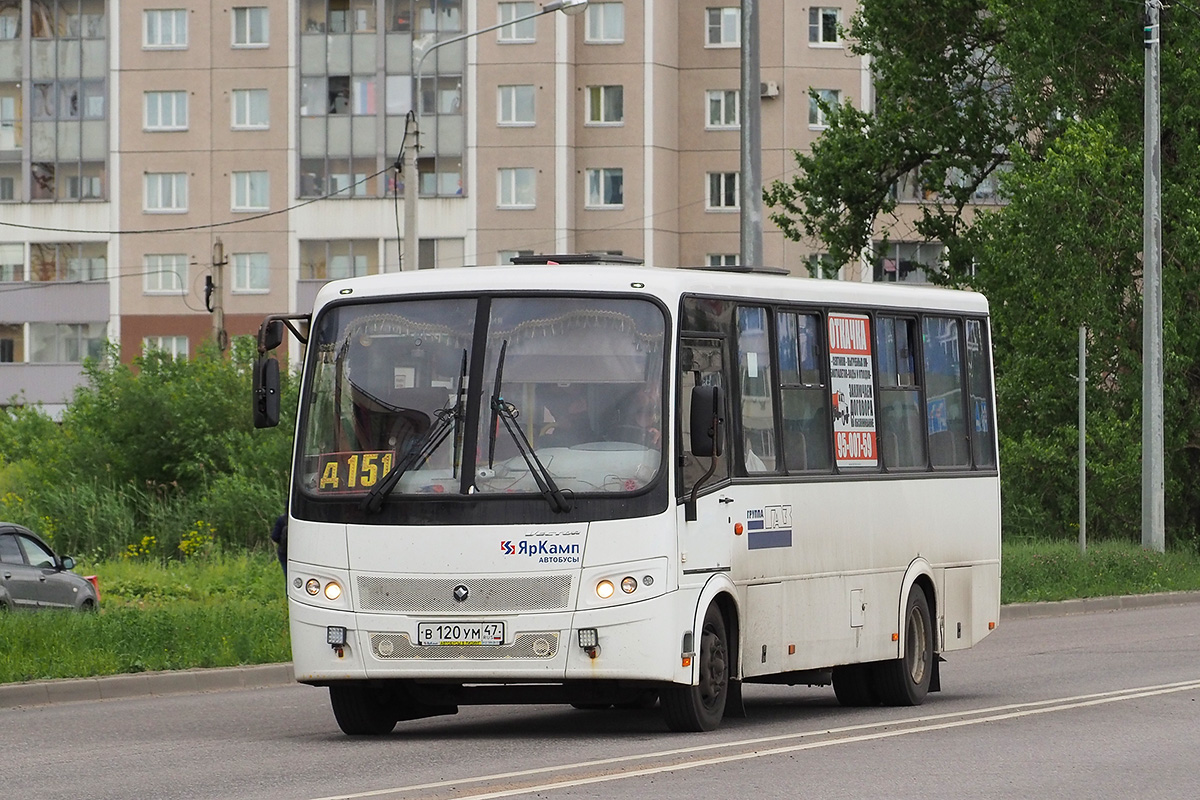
905 681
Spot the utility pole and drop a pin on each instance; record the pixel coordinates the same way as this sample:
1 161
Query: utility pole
750 199
216 292
1082 438
1153 467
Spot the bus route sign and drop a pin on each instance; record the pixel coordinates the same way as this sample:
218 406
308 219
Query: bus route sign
852 382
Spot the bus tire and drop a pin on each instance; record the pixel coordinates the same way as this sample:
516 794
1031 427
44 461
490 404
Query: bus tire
361 710
691 709
905 681
854 685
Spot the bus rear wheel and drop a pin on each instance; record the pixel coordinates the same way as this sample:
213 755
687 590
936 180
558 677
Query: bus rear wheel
689 709
905 681
362 710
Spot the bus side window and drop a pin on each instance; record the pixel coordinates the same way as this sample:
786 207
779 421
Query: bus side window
756 408
945 412
900 412
807 439
701 363
980 389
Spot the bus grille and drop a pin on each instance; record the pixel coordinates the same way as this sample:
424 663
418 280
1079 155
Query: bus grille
526 645
486 595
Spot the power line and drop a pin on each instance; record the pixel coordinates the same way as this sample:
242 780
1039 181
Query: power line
204 227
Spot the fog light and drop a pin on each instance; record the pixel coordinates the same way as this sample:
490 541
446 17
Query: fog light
588 637
628 585
604 589
335 635
332 590
312 586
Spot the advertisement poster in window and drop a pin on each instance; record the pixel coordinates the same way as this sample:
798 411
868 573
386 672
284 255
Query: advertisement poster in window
852 383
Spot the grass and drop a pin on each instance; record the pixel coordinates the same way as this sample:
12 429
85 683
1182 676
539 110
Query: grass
1044 570
223 610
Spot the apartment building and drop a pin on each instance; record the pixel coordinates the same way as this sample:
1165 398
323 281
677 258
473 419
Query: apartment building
149 146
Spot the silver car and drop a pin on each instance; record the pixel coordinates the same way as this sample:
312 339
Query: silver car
32 576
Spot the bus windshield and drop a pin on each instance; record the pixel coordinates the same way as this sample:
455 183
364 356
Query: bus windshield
568 392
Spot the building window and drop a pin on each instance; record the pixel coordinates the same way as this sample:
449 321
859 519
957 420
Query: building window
65 343
441 16
439 176
340 16
10 22
820 265
68 262
166 111
440 95
250 27
68 100
722 259
165 192
338 258
514 105
165 28
605 23
250 109
606 105
723 108
12 262
174 346
72 19
823 25
251 273
818 103
506 256
84 187
251 191
523 32
605 188
722 190
724 27
515 188
165 273
907 262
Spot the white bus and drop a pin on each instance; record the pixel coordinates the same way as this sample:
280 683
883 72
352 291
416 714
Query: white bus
615 485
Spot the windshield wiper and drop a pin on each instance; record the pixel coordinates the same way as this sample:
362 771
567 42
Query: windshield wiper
424 446
507 413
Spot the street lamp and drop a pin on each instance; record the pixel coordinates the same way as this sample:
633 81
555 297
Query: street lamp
411 243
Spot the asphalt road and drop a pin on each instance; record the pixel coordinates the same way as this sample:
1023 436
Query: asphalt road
1094 705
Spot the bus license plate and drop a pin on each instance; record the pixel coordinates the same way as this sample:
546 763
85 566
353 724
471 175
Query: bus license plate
449 633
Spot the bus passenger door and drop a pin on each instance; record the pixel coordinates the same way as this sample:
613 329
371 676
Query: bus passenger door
706 542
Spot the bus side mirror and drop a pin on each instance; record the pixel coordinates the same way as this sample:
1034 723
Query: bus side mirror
707 421
270 335
266 392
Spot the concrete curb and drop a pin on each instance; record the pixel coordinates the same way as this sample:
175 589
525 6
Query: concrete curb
1089 605
187 681
110 687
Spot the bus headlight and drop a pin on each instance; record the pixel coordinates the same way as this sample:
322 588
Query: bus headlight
333 590
629 585
604 589
312 586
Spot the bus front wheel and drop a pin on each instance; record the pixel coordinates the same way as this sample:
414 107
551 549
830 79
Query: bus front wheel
361 710
905 681
701 707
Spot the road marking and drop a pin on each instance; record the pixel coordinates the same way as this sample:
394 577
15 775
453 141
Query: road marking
924 724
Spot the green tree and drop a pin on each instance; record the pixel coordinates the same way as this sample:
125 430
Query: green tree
1048 96
148 449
